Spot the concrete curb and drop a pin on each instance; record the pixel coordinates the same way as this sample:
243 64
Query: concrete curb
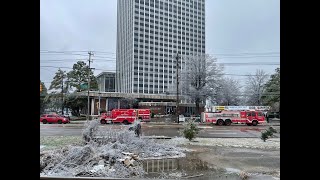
77 178
180 124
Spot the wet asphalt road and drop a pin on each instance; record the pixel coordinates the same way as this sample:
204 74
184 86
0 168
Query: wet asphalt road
233 131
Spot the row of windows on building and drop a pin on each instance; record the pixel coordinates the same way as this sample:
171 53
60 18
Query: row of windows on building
185 26
170 29
149 86
170 7
135 90
161 56
152 80
171 1
170 50
167 16
158 62
151 64
155 70
193 19
166 50
172 23
156 73
172 13
136 78
159 41
194 32
157 56
159 15
175 27
167 47
189 35
186 3
163 15
168 42
160 35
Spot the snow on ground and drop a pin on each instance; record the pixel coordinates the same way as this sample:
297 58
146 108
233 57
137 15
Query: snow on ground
256 143
104 157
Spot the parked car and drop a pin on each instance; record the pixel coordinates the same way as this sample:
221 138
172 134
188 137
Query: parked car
66 116
53 118
273 116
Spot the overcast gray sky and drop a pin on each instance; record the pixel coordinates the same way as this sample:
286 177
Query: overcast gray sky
237 31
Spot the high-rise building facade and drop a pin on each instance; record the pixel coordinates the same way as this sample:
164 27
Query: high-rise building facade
150 34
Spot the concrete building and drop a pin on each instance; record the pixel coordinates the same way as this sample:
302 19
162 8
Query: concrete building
150 34
106 81
158 103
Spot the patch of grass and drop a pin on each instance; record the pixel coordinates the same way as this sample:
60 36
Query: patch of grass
52 142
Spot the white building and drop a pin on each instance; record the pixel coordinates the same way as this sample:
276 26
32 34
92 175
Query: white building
150 33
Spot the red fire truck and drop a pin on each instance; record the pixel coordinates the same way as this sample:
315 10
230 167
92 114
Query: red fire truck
125 116
238 117
144 114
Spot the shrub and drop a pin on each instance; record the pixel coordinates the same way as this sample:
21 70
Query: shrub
267 133
190 130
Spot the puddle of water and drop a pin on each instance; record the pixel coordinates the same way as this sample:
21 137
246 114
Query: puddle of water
189 167
233 170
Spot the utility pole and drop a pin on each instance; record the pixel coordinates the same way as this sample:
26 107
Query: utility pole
67 89
90 54
62 97
177 72
99 102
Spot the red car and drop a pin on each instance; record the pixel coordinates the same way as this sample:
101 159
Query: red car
53 118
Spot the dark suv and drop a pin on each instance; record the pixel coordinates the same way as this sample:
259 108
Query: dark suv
273 115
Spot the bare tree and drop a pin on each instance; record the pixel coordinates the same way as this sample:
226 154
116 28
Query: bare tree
228 92
255 87
199 77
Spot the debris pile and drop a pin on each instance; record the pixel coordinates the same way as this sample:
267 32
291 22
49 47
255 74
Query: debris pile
113 152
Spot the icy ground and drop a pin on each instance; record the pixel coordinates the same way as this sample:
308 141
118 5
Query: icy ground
104 157
255 143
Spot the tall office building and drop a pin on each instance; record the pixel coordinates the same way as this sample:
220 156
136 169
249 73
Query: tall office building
150 34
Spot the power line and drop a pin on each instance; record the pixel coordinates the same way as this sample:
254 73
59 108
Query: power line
103 57
222 57
156 72
49 51
235 57
56 67
225 63
65 54
59 60
248 53
106 52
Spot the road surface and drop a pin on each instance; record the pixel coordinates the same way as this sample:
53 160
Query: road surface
233 131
